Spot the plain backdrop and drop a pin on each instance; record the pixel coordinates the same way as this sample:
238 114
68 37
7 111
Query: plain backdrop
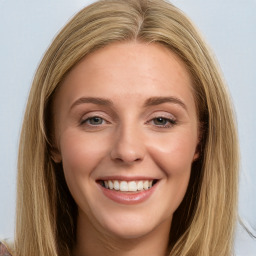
27 27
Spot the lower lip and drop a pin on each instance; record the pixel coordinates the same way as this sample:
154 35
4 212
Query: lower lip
128 198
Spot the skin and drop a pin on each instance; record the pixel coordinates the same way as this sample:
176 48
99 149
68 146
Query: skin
128 140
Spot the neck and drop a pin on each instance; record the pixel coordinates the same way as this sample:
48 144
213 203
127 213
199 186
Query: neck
91 242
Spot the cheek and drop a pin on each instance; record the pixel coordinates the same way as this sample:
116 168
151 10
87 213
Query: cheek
174 154
174 158
81 153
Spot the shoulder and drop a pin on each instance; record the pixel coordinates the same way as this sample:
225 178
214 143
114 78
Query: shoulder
3 250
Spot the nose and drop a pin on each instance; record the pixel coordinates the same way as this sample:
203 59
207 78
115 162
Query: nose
128 146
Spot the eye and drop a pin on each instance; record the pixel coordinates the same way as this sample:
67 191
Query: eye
95 120
160 121
163 122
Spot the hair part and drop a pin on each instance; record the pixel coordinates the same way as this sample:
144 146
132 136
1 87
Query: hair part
46 212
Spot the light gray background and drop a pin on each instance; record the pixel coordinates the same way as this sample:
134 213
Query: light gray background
26 30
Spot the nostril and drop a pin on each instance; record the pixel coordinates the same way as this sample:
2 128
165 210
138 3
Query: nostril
127 149
127 158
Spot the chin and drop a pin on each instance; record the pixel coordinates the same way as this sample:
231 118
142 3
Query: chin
129 231
131 226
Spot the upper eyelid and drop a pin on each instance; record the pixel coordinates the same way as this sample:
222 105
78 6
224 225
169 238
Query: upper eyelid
107 114
171 120
113 117
92 114
91 117
163 114
84 122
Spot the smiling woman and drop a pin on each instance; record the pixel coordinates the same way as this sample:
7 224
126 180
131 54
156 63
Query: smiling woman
122 163
128 145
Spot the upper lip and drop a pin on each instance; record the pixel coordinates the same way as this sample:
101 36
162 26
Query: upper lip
127 178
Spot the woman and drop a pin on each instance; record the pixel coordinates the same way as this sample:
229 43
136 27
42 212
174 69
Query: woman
128 145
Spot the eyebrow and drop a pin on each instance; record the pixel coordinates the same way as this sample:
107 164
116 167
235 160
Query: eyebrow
160 100
153 101
96 101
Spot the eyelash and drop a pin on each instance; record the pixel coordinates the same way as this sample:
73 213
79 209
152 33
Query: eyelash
91 118
168 122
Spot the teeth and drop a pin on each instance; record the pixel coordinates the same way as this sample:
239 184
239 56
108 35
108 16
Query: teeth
116 185
110 184
106 184
140 185
125 186
145 185
132 186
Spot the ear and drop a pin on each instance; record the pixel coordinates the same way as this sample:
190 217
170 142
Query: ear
56 155
197 154
199 142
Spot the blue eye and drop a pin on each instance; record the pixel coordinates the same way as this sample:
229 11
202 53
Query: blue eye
160 121
95 120
163 122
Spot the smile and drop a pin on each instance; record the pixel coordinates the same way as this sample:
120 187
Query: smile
127 186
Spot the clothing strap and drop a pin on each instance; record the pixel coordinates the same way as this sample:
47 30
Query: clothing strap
3 250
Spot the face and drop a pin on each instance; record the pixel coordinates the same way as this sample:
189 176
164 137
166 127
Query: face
126 130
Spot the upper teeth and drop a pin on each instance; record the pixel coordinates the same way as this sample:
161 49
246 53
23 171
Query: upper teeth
128 186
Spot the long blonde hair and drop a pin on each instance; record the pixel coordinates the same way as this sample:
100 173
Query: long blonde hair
203 225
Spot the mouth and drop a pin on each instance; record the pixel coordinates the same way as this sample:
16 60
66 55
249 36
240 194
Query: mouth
128 186
128 190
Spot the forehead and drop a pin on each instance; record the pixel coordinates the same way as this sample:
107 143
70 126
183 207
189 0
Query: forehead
129 70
